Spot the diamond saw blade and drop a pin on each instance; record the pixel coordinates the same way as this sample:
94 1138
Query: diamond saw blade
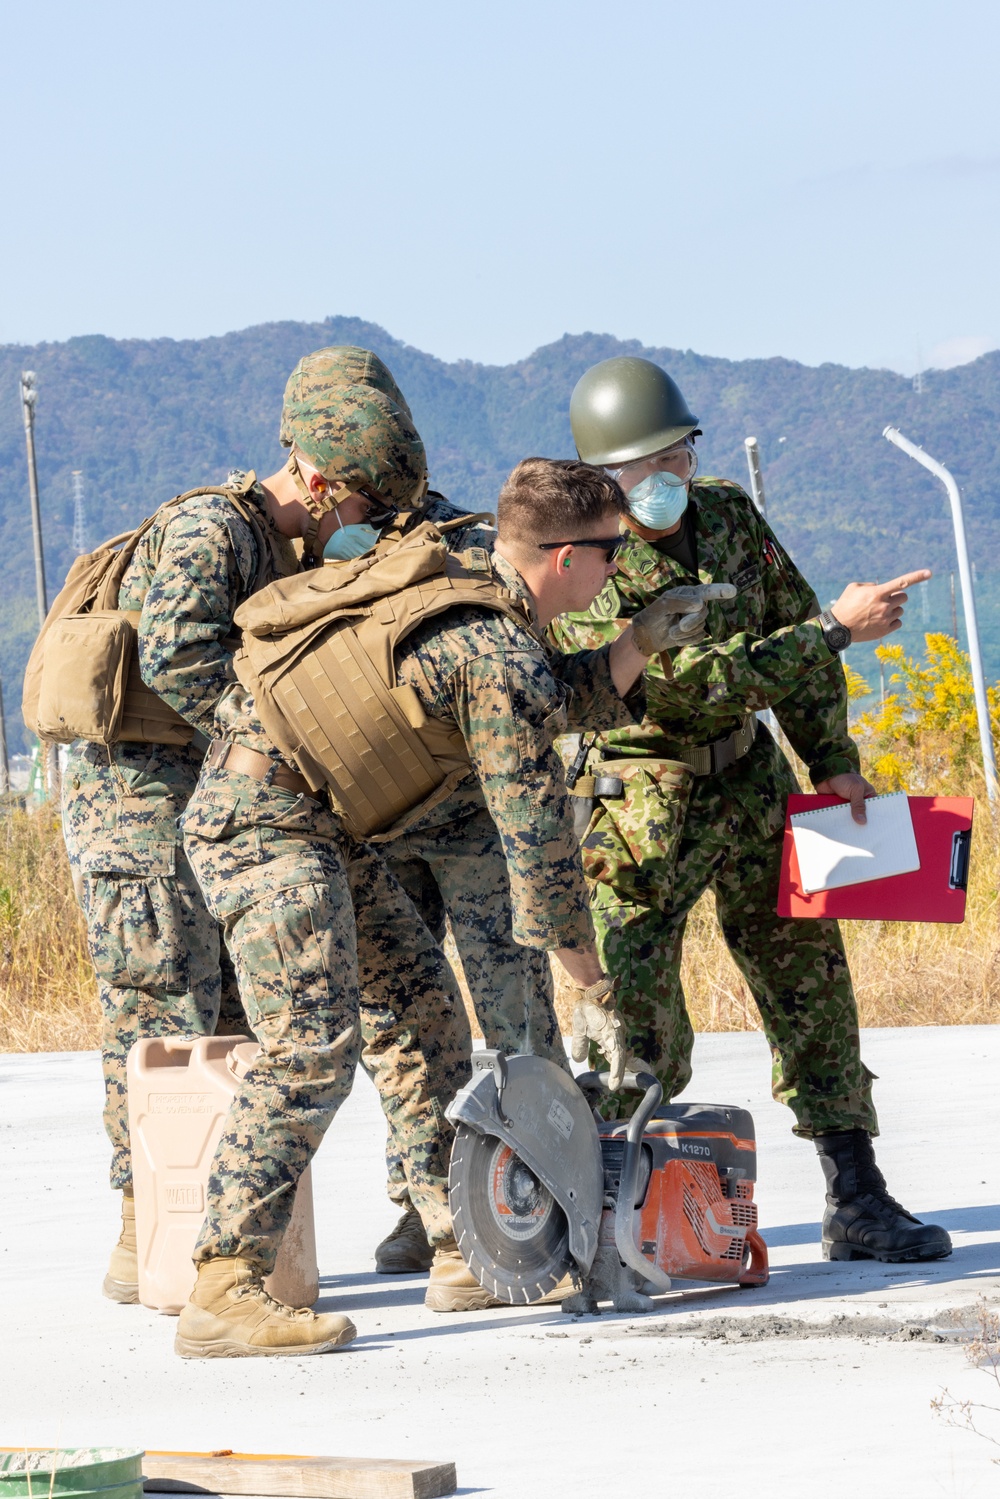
510 1229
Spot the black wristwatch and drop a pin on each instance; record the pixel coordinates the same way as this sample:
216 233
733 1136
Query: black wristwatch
836 635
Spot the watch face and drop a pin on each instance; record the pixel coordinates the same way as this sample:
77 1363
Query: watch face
838 636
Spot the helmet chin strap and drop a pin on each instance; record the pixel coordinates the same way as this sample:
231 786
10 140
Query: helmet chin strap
317 506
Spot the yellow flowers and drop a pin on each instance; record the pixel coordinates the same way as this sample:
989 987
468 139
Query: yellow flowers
924 737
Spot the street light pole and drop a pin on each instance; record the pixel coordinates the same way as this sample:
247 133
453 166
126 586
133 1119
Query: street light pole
968 603
756 477
29 397
766 715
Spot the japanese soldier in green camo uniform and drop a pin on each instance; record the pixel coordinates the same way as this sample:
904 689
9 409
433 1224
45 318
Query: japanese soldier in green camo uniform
695 796
271 860
155 946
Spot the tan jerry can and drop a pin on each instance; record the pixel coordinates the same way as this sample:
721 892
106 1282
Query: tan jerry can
179 1092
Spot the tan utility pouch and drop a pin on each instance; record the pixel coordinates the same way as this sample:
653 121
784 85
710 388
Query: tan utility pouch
82 680
81 690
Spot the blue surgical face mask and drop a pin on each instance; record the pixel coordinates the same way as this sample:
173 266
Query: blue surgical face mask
350 541
659 500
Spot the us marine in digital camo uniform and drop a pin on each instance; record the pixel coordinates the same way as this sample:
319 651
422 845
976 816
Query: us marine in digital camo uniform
272 864
695 796
154 943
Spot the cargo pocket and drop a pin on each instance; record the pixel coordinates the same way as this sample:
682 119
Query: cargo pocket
621 931
282 967
632 844
135 916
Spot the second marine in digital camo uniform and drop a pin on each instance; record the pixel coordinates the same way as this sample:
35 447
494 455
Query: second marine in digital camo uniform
273 865
695 796
453 861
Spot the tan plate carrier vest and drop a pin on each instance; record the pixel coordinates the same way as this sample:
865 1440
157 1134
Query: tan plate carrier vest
318 655
82 679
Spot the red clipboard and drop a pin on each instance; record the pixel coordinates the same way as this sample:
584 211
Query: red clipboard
934 892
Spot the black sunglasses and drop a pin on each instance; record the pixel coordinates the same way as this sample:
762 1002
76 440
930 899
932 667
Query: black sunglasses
609 545
379 514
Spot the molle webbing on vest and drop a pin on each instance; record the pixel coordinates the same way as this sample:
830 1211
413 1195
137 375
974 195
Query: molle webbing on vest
322 672
353 724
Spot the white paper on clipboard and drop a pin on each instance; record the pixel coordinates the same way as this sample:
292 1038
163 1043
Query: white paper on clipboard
833 850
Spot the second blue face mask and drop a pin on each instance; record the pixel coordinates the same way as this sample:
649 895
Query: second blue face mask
659 501
350 542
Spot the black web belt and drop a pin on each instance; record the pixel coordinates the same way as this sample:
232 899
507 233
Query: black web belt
700 759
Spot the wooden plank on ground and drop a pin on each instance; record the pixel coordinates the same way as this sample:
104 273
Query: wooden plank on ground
287 1477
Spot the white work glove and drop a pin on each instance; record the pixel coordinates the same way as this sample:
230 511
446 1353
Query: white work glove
596 1019
677 617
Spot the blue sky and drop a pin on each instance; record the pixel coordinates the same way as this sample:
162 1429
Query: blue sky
820 181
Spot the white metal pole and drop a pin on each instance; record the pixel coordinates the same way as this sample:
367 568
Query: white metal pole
968 603
766 715
756 478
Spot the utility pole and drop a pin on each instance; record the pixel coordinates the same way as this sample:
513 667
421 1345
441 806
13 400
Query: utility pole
29 398
968 604
4 762
79 515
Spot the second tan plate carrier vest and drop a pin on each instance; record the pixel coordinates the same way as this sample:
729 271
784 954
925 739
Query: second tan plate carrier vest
319 657
82 679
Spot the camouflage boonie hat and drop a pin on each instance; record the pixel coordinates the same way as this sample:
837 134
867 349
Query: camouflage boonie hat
347 416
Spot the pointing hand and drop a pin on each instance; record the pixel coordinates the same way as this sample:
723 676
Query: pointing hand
677 617
872 610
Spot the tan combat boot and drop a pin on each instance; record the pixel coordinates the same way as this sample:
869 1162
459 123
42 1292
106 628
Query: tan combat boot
405 1250
453 1287
230 1315
122 1280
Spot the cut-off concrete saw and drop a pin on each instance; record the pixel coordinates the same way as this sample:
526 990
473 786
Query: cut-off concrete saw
542 1188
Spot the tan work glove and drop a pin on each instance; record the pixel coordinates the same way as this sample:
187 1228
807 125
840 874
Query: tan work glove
596 1019
677 617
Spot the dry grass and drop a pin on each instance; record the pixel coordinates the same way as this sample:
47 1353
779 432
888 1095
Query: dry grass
48 998
905 974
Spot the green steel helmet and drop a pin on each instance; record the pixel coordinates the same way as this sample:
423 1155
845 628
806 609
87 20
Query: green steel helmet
626 408
346 415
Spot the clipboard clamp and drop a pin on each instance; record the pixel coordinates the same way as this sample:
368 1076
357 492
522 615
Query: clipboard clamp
961 847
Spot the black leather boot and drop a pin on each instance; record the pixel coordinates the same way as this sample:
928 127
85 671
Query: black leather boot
861 1220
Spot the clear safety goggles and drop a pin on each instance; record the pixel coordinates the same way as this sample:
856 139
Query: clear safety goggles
678 464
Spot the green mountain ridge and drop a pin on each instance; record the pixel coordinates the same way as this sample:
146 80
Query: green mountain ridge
145 419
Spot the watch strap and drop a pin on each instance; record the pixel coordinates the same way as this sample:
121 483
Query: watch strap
836 635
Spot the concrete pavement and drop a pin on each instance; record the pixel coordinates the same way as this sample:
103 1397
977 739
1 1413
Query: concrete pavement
824 1378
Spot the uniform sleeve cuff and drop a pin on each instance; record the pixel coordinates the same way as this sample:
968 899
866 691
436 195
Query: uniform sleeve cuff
836 765
576 932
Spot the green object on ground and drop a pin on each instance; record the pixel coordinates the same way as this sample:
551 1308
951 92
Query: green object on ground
104 1472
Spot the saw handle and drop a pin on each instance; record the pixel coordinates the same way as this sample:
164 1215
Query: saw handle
628 1250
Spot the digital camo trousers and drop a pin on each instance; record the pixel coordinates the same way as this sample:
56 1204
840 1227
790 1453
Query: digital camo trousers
649 855
455 872
281 874
154 945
